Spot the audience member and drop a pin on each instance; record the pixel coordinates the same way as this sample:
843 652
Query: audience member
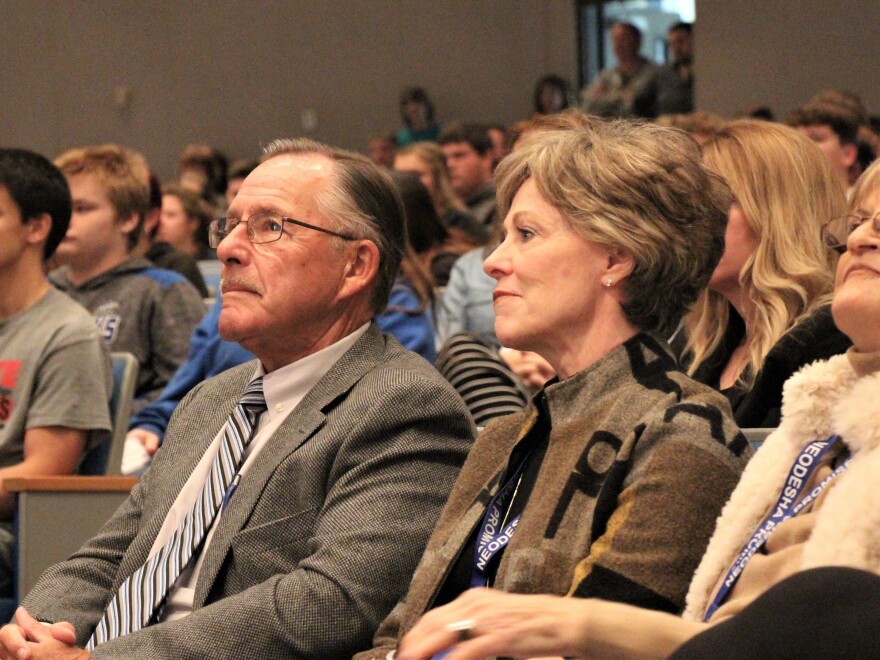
238 172
141 309
380 149
184 222
614 91
434 245
671 89
355 446
54 369
162 254
426 159
467 301
417 113
500 148
834 129
851 102
614 476
202 169
409 315
867 141
468 152
551 94
765 313
806 500
209 355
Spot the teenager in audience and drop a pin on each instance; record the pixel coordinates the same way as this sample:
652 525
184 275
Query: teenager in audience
765 313
615 474
159 252
202 169
426 160
834 128
54 369
435 246
146 311
184 222
467 148
236 175
551 95
821 465
380 149
417 113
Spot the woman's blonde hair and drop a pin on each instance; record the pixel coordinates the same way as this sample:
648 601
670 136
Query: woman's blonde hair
432 156
787 190
867 184
639 188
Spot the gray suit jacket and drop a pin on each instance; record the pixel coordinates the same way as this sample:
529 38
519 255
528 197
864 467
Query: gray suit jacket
323 534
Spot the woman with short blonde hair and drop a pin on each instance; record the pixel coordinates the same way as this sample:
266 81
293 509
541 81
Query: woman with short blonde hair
612 477
807 501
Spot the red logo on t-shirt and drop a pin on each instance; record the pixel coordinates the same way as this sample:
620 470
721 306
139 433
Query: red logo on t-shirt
8 378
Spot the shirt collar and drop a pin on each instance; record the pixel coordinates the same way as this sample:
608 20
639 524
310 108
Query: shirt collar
284 388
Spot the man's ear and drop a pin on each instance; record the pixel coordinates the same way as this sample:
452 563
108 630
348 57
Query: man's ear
38 229
361 268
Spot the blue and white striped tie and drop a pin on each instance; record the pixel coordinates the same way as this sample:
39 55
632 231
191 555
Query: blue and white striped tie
144 591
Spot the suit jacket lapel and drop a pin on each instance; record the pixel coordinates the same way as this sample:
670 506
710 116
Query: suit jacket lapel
302 423
176 462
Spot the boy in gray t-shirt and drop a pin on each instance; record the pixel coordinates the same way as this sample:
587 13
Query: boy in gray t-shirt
54 369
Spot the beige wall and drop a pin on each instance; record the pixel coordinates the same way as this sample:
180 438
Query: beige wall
239 73
236 74
781 52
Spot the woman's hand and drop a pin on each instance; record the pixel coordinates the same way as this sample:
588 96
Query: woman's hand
485 623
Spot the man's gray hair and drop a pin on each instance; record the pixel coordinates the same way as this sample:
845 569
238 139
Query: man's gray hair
361 200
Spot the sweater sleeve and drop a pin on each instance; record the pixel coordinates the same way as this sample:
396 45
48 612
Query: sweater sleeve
653 530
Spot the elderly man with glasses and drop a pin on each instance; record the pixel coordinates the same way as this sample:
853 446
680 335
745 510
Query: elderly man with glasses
293 495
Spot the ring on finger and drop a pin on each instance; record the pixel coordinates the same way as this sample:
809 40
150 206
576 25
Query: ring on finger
464 629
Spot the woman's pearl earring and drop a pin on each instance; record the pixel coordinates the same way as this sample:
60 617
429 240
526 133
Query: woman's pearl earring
609 282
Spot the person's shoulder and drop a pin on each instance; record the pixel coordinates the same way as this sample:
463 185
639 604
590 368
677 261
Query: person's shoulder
672 400
164 277
471 260
395 370
815 337
64 318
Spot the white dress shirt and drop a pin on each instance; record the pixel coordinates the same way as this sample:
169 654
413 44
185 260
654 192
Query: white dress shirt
283 389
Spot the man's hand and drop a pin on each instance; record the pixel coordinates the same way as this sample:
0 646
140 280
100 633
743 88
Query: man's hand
28 639
148 439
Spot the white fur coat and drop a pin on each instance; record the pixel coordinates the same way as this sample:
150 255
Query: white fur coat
823 398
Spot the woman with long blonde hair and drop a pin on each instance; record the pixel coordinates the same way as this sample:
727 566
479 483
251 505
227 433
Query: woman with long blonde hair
765 312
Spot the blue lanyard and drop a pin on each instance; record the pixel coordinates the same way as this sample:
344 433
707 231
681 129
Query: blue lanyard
495 532
786 507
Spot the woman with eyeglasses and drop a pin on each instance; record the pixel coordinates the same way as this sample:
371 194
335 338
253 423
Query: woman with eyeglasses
765 312
807 500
